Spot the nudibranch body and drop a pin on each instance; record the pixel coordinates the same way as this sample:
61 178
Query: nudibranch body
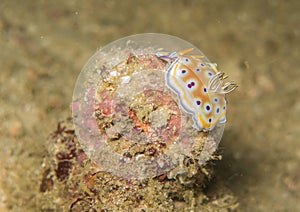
199 86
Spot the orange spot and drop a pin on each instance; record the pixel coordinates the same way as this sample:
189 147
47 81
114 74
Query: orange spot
184 51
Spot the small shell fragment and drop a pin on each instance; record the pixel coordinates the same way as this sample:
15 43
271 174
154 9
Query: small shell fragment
125 79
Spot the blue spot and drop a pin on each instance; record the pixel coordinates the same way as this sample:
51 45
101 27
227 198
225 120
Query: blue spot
207 107
205 90
198 69
202 64
216 99
186 60
224 107
209 74
218 110
209 120
198 102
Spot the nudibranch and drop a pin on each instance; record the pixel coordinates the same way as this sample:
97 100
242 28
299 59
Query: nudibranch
199 87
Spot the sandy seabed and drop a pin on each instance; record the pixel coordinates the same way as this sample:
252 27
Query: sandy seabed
44 45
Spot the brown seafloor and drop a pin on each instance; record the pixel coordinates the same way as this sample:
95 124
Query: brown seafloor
44 45
71 182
